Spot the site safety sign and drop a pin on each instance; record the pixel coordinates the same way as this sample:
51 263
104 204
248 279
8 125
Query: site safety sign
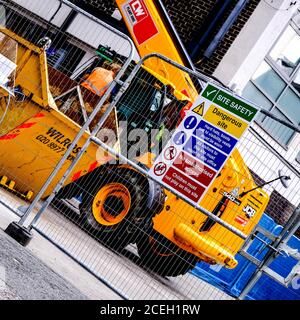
203 142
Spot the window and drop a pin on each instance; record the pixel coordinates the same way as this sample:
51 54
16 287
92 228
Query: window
275 86
286 52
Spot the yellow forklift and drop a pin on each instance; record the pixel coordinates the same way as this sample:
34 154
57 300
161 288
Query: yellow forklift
119 205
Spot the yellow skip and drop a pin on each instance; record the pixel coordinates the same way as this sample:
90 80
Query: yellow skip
10 185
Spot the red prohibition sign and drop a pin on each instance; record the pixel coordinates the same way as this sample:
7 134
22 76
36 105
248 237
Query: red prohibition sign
170 153
160 169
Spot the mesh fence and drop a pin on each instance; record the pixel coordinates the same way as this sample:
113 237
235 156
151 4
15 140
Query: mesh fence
126 228
148 112
124 196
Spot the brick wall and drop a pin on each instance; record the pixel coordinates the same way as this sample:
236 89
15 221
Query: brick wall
106 6
189 18
279 208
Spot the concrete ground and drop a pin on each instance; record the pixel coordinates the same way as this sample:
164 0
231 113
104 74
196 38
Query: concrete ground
50 260
26 277
121 271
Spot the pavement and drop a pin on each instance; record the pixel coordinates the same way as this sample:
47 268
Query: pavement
26 277
41 266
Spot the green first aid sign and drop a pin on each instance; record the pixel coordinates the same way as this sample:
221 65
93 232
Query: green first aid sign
230 103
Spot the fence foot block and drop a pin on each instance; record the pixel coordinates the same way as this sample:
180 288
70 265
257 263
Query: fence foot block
19 233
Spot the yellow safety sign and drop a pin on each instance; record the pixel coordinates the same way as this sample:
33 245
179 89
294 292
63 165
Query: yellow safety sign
200 109
225 121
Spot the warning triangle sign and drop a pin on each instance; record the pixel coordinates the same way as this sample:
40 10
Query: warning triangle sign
200 109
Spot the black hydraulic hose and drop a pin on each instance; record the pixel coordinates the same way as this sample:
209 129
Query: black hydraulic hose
83 66
56 12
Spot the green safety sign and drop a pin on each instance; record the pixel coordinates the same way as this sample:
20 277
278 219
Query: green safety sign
230 103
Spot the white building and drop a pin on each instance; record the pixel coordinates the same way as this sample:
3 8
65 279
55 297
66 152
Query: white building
263 64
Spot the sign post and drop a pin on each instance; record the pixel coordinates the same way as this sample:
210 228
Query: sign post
203 142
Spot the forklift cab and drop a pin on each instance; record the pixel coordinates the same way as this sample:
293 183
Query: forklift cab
149 105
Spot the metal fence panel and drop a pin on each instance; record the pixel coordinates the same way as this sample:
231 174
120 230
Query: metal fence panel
108 198
139 92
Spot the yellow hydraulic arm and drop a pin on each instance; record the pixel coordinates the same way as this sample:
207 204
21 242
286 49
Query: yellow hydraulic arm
150 34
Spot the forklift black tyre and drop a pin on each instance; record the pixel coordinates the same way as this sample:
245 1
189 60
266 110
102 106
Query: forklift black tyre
161 256
112 210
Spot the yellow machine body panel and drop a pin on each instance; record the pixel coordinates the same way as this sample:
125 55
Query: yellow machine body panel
182 224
